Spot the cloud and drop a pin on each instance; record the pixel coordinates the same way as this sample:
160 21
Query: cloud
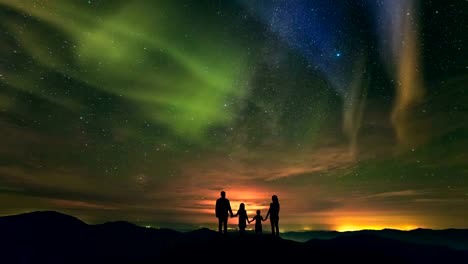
402 193
75 204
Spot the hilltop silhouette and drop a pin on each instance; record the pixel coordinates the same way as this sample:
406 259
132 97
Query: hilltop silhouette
52 237
452 238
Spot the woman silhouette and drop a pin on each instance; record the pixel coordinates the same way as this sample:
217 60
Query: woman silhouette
273 212
242 213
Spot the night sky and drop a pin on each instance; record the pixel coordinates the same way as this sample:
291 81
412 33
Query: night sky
355 113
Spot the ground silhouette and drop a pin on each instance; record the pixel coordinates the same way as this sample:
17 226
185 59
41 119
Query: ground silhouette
51 237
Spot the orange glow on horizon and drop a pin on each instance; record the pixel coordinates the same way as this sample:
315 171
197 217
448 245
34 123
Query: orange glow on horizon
357 227
373 221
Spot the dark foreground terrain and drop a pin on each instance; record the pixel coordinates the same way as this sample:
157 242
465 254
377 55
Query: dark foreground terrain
51 237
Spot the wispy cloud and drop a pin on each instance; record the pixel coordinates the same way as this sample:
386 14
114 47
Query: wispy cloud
75 204
401 193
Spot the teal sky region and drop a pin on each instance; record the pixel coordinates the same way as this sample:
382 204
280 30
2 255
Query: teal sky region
354 114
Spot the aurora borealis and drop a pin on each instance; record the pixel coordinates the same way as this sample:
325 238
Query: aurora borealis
354 113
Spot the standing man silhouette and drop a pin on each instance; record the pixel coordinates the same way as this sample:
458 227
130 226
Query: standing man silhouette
273 212
223 210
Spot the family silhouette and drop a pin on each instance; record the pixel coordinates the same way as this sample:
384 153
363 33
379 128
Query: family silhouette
223 211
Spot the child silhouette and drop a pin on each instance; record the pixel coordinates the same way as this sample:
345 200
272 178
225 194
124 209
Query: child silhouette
258 223
242 213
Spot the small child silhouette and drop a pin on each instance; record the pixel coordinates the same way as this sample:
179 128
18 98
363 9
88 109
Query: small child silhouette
258 223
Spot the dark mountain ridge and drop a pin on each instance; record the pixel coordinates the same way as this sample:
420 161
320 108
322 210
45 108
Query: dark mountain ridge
453 238
51 237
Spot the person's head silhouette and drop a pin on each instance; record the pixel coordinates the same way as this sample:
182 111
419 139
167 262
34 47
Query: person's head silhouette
274 198
223 194
242 206
258 212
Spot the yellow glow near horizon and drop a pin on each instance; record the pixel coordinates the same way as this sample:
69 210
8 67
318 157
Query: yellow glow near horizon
374 220
357 227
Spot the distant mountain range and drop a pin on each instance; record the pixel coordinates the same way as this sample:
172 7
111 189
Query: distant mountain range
452 238
52 237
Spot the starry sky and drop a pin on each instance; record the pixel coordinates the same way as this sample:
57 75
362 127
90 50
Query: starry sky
355 113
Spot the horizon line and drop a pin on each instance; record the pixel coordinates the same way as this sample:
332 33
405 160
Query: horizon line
186 227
